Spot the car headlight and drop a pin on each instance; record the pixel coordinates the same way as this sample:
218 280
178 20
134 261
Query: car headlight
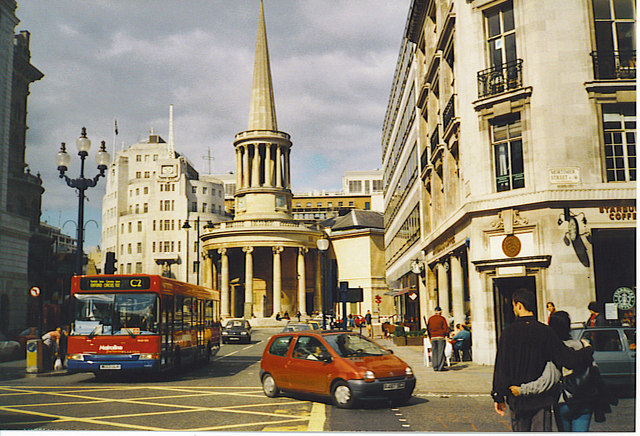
225 333
408 371
148 356
74 357
369 376
243 333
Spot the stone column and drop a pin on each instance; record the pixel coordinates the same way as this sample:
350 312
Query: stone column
245 166
255 167
277 280
443 290
317 293
207 270
287 171
457 289
278 166
224 282
302 279
238 167
268 165
248 281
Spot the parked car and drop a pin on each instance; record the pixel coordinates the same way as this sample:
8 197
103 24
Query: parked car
9 350
294 326
236 330
614 350
26 335
345 366
315 325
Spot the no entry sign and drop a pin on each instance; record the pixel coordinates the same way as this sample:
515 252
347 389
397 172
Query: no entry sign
35 291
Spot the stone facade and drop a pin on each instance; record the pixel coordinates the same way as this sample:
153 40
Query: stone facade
526 140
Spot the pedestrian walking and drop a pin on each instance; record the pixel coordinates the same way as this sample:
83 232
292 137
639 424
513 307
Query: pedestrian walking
524 349
581 392
438 331
367 320
551 308
298 315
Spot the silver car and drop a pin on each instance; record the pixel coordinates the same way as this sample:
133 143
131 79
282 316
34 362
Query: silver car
614 350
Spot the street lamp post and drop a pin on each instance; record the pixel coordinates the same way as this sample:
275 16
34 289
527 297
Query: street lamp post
81 183
323 246
187 226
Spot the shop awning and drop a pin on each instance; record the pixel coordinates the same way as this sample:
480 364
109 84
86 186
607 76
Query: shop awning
396 292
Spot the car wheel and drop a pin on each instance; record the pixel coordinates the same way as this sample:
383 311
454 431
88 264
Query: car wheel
269 386
342 395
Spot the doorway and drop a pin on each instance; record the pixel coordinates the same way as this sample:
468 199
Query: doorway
503 289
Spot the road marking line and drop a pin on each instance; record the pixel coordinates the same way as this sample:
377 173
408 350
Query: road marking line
317 417
221 427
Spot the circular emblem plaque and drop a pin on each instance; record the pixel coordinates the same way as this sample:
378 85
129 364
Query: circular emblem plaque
625 298
511 246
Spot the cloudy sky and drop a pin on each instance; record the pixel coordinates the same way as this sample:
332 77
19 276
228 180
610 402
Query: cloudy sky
332 63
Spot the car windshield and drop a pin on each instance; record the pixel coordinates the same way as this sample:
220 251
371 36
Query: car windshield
115 314
354 345
235 324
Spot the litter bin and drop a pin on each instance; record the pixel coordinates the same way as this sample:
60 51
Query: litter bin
35 355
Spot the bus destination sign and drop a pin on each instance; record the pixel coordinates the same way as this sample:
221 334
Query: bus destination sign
114 284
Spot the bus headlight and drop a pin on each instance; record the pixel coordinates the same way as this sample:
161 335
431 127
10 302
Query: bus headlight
224 333
369 376
148 356
75 356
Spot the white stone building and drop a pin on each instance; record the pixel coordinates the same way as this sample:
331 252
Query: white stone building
151 192
509 157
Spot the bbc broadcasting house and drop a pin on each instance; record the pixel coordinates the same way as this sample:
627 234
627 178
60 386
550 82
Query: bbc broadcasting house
510 161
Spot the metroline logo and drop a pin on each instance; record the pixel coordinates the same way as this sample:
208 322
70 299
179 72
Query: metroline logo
110 347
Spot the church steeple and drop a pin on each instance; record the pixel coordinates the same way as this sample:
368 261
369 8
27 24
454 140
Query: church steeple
262 115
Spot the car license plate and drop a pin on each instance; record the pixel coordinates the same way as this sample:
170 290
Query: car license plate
110 366
393 386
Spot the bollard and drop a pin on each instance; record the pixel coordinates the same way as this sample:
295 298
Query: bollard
35 356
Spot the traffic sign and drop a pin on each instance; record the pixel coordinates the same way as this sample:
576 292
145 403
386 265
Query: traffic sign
378 299
35 291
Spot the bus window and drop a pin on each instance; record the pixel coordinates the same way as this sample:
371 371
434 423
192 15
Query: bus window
178 312
209 313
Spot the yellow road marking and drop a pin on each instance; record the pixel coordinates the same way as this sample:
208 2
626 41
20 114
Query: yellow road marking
221 427
317 418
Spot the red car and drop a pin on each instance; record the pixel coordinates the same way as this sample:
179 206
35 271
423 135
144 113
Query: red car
343 365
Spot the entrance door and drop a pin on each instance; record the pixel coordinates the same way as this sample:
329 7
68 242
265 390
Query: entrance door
502 291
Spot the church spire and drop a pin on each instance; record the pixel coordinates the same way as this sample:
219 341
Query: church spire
262 115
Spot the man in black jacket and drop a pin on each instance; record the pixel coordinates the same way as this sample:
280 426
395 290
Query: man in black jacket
524 349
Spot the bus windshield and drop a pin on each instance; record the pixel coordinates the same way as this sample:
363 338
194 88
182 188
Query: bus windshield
115 314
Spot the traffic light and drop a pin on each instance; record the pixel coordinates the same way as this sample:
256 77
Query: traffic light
110 263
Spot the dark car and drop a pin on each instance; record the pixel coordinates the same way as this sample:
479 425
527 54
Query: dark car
614 351
345 366
27 335
236 330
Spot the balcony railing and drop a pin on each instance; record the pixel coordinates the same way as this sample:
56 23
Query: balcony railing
449 114
614 65
500 78
435 140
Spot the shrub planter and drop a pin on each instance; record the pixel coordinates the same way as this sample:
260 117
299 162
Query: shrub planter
400 340
414 340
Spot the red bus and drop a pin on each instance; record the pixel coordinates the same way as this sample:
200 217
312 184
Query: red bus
140 322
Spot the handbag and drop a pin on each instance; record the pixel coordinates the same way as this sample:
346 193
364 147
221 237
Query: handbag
581 385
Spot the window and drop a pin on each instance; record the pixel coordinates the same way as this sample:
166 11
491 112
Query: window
506 138
309 348
154 225
146 174
146 158
194 189
137 191
204 190
355 185
351 203
138 158
155 157
122 228
377 186
367 205
319 204
138 174
139 226
298 205
204 207
604 340
137 208
339 204
501 35
128 268
194 206
366 187
308 204
146 189
330 204
615 43
280 346
128 248
619 128
138 267
139 247
145 207
153 247
129 226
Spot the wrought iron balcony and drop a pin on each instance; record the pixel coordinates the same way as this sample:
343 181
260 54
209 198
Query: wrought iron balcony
616 65
435 140
448 114
500 78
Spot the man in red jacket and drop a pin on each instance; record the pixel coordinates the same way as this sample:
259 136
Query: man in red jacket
438 330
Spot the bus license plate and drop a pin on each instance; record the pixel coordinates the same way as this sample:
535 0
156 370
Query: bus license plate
110 366
393 386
